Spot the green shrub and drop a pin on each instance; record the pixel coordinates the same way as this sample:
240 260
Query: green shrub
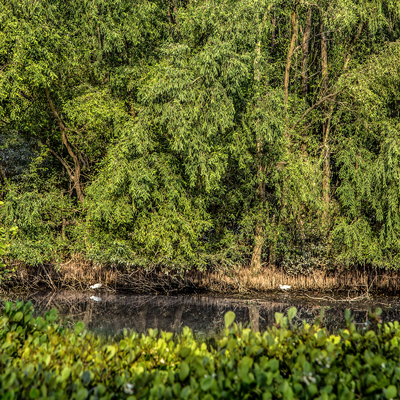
41 359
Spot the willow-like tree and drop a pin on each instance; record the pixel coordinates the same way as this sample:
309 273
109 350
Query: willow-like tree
204 133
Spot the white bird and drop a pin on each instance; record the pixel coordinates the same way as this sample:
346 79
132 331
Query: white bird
284 287
96 286
95 298
128 388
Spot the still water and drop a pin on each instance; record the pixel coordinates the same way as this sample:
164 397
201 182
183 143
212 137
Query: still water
109 313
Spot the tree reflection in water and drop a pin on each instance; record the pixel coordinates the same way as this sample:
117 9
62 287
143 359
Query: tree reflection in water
203 314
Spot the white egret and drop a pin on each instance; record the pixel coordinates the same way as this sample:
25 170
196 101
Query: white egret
96 286
95 298
284 287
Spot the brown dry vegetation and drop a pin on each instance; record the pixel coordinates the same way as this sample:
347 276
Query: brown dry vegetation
78 274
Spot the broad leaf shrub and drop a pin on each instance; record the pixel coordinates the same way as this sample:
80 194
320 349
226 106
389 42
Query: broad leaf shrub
41 359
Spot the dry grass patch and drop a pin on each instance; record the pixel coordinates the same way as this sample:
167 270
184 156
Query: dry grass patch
79 274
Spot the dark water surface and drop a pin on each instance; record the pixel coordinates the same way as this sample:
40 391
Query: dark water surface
203 314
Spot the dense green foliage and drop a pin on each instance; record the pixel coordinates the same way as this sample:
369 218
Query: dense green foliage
41 359
197 133
5 273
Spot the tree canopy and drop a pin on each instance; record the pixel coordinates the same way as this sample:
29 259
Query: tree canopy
190 134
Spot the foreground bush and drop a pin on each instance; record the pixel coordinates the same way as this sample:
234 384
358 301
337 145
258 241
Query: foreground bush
39 358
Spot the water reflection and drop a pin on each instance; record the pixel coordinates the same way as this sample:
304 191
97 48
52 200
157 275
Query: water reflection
203 314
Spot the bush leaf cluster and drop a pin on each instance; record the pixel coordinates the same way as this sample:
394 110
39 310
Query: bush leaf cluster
42 359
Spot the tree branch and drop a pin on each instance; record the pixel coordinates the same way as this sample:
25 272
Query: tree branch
3 174
76 176
304 61
62 161
347 60
290 55
314 106
66 223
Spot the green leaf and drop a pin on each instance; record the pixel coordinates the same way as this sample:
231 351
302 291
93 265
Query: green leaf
34 393
18 316
100 389
8 307
278 318
229 318
82 394
66 372
184 371
292 313
176 388
267 395
312 389
123 344
79 327
321 314
111 350
244 366
206 383
185 392
185 351
86 378
273 364
391 392
287 391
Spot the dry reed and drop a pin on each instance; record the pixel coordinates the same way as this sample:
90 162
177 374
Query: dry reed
79 274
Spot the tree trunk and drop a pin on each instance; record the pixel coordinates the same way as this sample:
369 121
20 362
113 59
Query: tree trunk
286 91
254 317
87 315
258 237
176 15
326 169
327 126
272 250
3 174
75 176
304 61
63 226
273 32
324 59
178 317
257 249
304 67
290 55
99 36
141 318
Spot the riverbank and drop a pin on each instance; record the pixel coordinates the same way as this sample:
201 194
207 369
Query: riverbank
78 274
